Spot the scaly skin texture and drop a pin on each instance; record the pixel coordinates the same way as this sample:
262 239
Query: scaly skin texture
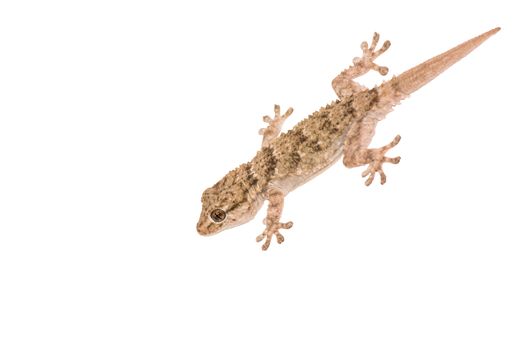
343 128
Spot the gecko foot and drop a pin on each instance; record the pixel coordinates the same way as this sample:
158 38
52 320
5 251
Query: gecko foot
272 228
377 158
274 125
366 62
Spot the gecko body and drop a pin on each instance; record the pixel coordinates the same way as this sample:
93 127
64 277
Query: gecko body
343 128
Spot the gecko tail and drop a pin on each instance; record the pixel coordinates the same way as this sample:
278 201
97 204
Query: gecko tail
420 75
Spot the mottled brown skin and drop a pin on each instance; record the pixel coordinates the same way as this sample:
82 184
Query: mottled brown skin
292 157
305 148
343 128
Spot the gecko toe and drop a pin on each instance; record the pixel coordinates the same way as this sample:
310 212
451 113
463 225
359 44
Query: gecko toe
376 160
370 54
272 229
273 129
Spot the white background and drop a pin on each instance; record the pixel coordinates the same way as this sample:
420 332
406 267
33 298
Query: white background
116 115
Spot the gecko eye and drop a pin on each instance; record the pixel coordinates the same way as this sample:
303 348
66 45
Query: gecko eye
218 215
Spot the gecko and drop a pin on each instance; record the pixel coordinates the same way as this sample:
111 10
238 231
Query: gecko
341 129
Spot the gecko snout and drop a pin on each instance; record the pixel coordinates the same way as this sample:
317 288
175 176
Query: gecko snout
201 229
206 228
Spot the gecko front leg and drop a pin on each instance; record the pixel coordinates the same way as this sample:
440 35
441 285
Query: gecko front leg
274 125
344 84
275 208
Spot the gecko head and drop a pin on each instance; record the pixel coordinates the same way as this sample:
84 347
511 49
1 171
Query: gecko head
231 202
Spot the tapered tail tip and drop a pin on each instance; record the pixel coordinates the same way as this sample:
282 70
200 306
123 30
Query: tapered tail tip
494 31
487 35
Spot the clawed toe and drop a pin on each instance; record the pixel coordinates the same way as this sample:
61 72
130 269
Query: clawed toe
391 160
377 159
274 124
273 230
370 54
376 167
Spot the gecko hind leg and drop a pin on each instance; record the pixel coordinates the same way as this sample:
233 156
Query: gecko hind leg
357 153
344 84
275 208
274 125
375 158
